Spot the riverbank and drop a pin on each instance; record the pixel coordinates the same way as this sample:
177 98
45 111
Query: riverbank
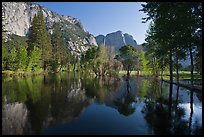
8 73
188 86
183 76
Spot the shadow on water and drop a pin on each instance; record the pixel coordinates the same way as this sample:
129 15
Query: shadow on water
33 105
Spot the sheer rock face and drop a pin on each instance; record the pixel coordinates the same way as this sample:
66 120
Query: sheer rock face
129 40
19 15
100 39
116 39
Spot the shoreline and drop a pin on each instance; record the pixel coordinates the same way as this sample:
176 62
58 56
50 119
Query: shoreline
23 74
187 86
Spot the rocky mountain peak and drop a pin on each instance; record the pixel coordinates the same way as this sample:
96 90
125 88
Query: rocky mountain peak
116 39
19 15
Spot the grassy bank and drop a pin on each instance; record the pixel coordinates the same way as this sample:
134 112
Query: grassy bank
9 73
183 75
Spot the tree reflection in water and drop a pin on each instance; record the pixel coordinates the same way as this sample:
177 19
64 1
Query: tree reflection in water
125 103
61 98
166 117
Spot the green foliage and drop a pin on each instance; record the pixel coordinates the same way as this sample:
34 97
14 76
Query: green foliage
60 56
100 60
56 42
154 66
143 62
34 60
40 37
54 65
16 41
170 36
21 58
12 63
91 53
35 53
87 59
128 55
3 55
15 53
198 53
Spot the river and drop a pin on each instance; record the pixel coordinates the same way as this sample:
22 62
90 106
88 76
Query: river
68 103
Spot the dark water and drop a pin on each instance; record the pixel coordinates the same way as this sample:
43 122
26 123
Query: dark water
73 104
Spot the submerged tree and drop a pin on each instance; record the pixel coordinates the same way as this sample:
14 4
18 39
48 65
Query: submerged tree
128 55
101 61
97 60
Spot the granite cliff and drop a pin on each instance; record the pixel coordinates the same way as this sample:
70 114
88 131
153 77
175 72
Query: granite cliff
116 39
19 15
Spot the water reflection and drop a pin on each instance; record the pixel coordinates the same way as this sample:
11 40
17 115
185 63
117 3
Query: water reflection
167 116
14 118
36 104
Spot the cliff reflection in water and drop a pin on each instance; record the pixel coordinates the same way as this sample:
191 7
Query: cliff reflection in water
47 101
35 105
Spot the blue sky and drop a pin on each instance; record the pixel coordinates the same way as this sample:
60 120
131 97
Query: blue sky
105 17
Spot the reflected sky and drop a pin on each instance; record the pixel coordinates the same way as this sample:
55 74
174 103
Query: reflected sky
73 104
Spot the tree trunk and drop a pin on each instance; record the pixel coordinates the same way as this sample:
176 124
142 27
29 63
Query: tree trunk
128 73
44 65
68 67
171 66
161 80
177 75
171 82
60 68
192 66
162 74
74 67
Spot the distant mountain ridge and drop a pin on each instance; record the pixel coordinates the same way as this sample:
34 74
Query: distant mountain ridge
116 39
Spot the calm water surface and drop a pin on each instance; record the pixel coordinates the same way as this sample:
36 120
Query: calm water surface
71 104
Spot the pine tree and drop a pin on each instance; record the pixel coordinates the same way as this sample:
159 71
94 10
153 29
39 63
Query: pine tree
34 60
128 55
3 55
58 47
12 61
21 57
40 38
34 36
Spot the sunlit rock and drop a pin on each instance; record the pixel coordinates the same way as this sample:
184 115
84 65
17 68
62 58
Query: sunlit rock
116 39
19 15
